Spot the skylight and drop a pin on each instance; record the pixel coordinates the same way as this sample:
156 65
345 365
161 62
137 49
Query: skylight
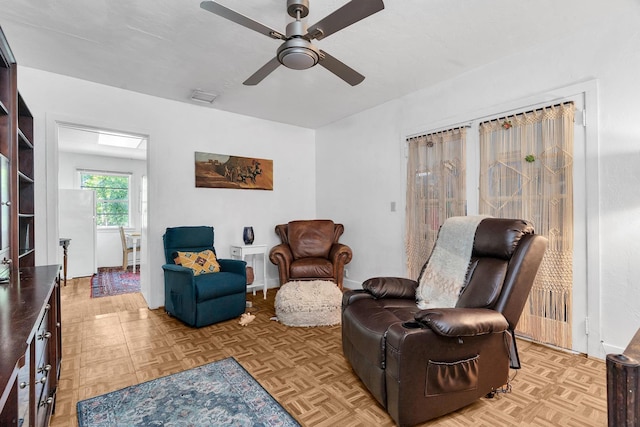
121 140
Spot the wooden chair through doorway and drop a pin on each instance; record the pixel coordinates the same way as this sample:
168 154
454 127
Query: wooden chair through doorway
127 249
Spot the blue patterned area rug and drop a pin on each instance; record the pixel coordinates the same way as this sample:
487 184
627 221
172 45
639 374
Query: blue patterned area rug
221 393
114 281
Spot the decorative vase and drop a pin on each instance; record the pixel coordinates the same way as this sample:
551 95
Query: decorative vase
247 235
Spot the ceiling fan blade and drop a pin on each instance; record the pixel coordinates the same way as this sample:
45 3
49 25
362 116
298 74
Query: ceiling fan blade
234 16
348 14
340 69
263 72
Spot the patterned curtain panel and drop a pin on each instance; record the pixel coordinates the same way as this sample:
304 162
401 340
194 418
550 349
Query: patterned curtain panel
526 164
435 190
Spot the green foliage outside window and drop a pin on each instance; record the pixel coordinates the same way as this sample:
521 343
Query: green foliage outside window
112 198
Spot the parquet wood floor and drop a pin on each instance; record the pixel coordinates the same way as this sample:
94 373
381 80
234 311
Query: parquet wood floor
113 342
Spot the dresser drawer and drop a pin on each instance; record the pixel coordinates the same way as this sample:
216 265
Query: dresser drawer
43 383
43 371
42 334
45 406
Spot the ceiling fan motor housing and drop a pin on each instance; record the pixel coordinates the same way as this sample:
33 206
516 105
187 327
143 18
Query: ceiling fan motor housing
297 52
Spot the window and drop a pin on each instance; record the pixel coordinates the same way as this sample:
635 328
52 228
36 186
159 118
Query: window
525 171
112 196
436 175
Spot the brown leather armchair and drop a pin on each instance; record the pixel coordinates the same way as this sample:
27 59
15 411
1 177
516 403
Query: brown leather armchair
310 251
421 364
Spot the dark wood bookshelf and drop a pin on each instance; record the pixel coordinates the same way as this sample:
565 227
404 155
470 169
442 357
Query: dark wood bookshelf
30 324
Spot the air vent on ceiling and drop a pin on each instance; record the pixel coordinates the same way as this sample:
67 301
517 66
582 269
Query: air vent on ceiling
202 96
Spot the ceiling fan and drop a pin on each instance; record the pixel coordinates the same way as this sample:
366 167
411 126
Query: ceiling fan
297 51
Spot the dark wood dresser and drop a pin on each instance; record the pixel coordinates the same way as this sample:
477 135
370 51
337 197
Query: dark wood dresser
30 346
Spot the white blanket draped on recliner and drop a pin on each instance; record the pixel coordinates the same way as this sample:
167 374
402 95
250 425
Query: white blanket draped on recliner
444 275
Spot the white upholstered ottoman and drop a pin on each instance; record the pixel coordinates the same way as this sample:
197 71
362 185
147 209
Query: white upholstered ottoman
309 303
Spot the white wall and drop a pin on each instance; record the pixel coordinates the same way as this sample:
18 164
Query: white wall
367 149
109 245
176 131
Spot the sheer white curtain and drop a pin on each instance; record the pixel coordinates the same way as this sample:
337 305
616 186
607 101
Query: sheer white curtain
435 190
526 164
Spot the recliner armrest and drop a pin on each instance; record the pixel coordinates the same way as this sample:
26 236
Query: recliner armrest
233 266
462 322
352 295
391 287
177 268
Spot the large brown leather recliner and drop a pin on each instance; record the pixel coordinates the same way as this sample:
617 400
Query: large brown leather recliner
310 251
421 364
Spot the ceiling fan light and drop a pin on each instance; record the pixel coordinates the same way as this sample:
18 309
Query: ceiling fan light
298 54
298 59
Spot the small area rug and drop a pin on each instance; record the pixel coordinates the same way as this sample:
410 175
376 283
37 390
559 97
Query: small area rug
114 281
221 393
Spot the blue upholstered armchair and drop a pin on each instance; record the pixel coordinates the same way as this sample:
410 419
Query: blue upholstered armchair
200 300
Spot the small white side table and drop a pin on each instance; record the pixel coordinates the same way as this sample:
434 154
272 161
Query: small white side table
241 252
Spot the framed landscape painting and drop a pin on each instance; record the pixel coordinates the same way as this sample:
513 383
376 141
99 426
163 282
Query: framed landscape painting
224 171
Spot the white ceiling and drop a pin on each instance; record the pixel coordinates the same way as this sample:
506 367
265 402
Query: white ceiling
168 48
86 140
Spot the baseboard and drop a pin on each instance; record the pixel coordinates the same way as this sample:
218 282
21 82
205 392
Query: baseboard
351 284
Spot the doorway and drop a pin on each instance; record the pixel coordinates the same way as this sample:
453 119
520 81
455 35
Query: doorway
96 151
585 268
